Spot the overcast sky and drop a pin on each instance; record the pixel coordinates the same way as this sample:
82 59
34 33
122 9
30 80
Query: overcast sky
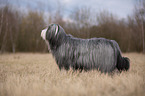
121 8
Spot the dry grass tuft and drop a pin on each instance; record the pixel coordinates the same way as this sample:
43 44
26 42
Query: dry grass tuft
27 74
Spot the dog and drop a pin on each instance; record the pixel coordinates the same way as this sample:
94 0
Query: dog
84 54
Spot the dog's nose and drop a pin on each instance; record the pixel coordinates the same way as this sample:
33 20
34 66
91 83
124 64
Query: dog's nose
43 33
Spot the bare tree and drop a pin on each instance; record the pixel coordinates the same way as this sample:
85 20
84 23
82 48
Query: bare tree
9 29
82 19
140 19
4 40
1 23
29 35
142 13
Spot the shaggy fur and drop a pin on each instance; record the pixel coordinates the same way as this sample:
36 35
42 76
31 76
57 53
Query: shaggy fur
84 54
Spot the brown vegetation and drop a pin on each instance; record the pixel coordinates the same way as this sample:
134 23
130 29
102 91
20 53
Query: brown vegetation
27 74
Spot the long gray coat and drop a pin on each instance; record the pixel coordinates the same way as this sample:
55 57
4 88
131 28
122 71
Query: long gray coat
84 54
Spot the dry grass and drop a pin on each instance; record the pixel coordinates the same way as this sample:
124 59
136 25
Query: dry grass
28 74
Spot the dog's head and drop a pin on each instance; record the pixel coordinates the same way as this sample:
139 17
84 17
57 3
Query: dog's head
53 31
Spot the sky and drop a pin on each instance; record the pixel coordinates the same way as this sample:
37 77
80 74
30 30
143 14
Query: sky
120 8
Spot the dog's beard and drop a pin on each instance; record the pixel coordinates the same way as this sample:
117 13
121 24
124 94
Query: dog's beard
43 35
47 44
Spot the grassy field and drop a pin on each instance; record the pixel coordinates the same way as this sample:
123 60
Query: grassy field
29 74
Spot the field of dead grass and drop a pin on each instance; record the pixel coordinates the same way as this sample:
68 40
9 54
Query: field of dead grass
29 74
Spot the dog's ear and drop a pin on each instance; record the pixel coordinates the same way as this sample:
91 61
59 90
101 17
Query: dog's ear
56 29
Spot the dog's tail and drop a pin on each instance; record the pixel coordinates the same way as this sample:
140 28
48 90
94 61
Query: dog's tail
123 63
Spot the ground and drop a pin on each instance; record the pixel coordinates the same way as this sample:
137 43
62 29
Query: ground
36 74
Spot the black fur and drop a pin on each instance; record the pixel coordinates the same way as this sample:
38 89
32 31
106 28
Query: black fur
84 54
123 63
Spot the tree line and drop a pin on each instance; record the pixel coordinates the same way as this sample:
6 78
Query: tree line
20 32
